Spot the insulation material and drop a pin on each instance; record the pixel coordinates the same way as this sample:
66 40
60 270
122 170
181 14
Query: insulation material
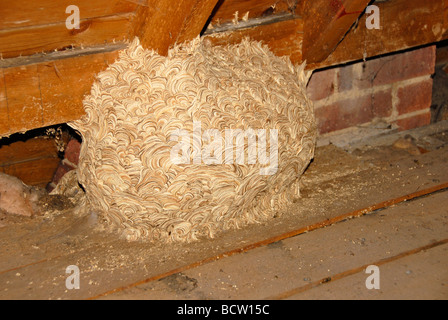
138 104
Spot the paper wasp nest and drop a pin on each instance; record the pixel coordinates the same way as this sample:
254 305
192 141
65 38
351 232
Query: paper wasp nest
151 184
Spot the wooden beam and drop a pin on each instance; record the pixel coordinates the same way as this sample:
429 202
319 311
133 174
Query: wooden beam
60 55
284 38
64 83
162 23
445 15
47 93
23 148
404 24
4 114
34 160
47 38
326 23
226 9
25 13
51 92
23 98
37 172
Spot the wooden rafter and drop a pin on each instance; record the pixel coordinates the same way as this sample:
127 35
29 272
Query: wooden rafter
38 93
326 22
284 38
404 24
161 23
47 93
227 10
36 27
51 92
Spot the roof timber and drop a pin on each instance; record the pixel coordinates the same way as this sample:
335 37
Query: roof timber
161 23
49 92
326 23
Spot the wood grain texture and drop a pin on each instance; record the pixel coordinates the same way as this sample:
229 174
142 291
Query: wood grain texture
13 151
65 83
162 23
35 173
25 13
404 24
225 9
51 257
24 100
283 38
33 160
4 120
445 17
48 93
326 23
61 55
47 38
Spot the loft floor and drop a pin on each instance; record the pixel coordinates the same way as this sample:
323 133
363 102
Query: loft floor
380 201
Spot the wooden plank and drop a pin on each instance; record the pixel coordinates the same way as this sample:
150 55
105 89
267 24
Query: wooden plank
12 152
283 38
225 10
418 275
196 20
36 39
326 23
114 263
64 84
34 160
50 92
23 98
25 13
60 55
4 120
282 269
404 24
163 23
445 17
37 172
402 27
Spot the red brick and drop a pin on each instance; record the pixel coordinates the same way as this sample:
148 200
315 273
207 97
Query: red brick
352 112
69 164
414 122
72 151
414 97
321 84
345 78
60 172
382 104
344 114
398 67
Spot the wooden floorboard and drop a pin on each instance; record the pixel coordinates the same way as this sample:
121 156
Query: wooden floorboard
294 267
34 254
417 276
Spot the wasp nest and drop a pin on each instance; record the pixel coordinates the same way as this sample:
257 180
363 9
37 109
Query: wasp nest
142 104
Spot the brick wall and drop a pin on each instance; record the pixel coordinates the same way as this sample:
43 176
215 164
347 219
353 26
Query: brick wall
396 89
